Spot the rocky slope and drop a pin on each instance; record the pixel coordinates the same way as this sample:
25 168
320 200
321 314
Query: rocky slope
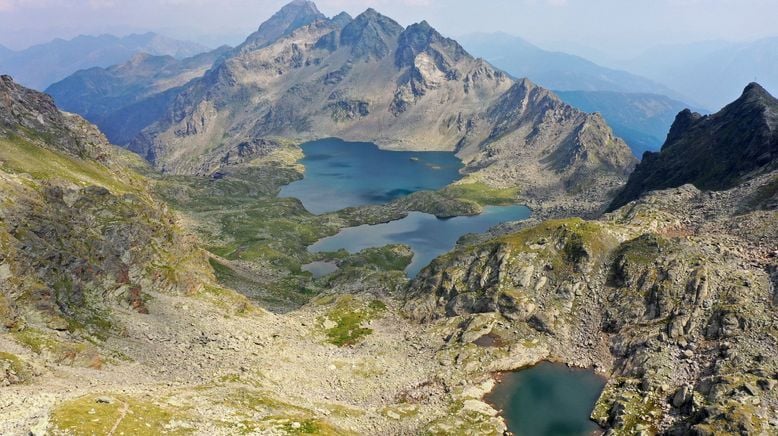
672 297
712 152
80 233
302 76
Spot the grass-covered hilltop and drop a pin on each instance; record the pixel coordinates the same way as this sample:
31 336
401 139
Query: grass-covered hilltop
165 292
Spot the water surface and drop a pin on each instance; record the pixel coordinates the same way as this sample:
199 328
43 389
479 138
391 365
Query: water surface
341 174
548 400
320 268
427 235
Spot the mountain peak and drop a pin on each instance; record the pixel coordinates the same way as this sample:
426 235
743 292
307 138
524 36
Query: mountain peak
292 16
754 88
341 20
370 34
755 93
419 37
712 152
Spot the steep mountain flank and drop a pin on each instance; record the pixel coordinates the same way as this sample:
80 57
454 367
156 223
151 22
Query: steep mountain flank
712 152
112 97
371 79
80 233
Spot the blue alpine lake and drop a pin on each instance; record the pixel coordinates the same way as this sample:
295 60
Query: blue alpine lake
340 174
548 399
427 235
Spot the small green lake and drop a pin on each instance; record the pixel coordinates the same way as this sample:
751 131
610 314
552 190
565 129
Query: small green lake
548 399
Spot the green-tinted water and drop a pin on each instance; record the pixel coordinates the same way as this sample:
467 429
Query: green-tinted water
548 400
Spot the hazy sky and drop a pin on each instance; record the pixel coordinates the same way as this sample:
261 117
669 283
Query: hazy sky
618 27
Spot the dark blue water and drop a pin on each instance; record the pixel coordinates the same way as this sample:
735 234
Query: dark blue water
341 174
428 236
548 400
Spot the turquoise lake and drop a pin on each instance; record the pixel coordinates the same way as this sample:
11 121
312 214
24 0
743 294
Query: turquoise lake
427 235
340 174
548 400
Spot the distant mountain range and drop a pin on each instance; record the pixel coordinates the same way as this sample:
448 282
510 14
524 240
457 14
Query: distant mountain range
109 97
41 65
5 52
556 70
638 109
711 73
642 120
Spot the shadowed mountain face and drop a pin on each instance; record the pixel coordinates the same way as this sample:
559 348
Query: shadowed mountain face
712 152
41 65
370 79
126 98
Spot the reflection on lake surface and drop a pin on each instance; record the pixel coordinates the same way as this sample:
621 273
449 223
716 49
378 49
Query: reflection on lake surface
548 399
341 174
428 236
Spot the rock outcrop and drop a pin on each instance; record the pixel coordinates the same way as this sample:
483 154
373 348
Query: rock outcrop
712 152
676 310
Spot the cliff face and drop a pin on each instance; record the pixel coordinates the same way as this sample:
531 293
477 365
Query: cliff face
712 152
80 232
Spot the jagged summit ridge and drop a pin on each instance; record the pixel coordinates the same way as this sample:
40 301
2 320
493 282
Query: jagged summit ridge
303 76
712 152
370 34
292 16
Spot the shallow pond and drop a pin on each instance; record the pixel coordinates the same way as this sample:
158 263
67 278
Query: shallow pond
427 235
341 174
548 399
320 268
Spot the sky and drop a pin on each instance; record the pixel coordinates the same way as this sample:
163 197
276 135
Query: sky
616 28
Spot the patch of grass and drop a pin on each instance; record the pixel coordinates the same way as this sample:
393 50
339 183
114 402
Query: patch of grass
243 220
70 353
229 300
123 415
349 316
386 258
22 156
12 362
483 194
